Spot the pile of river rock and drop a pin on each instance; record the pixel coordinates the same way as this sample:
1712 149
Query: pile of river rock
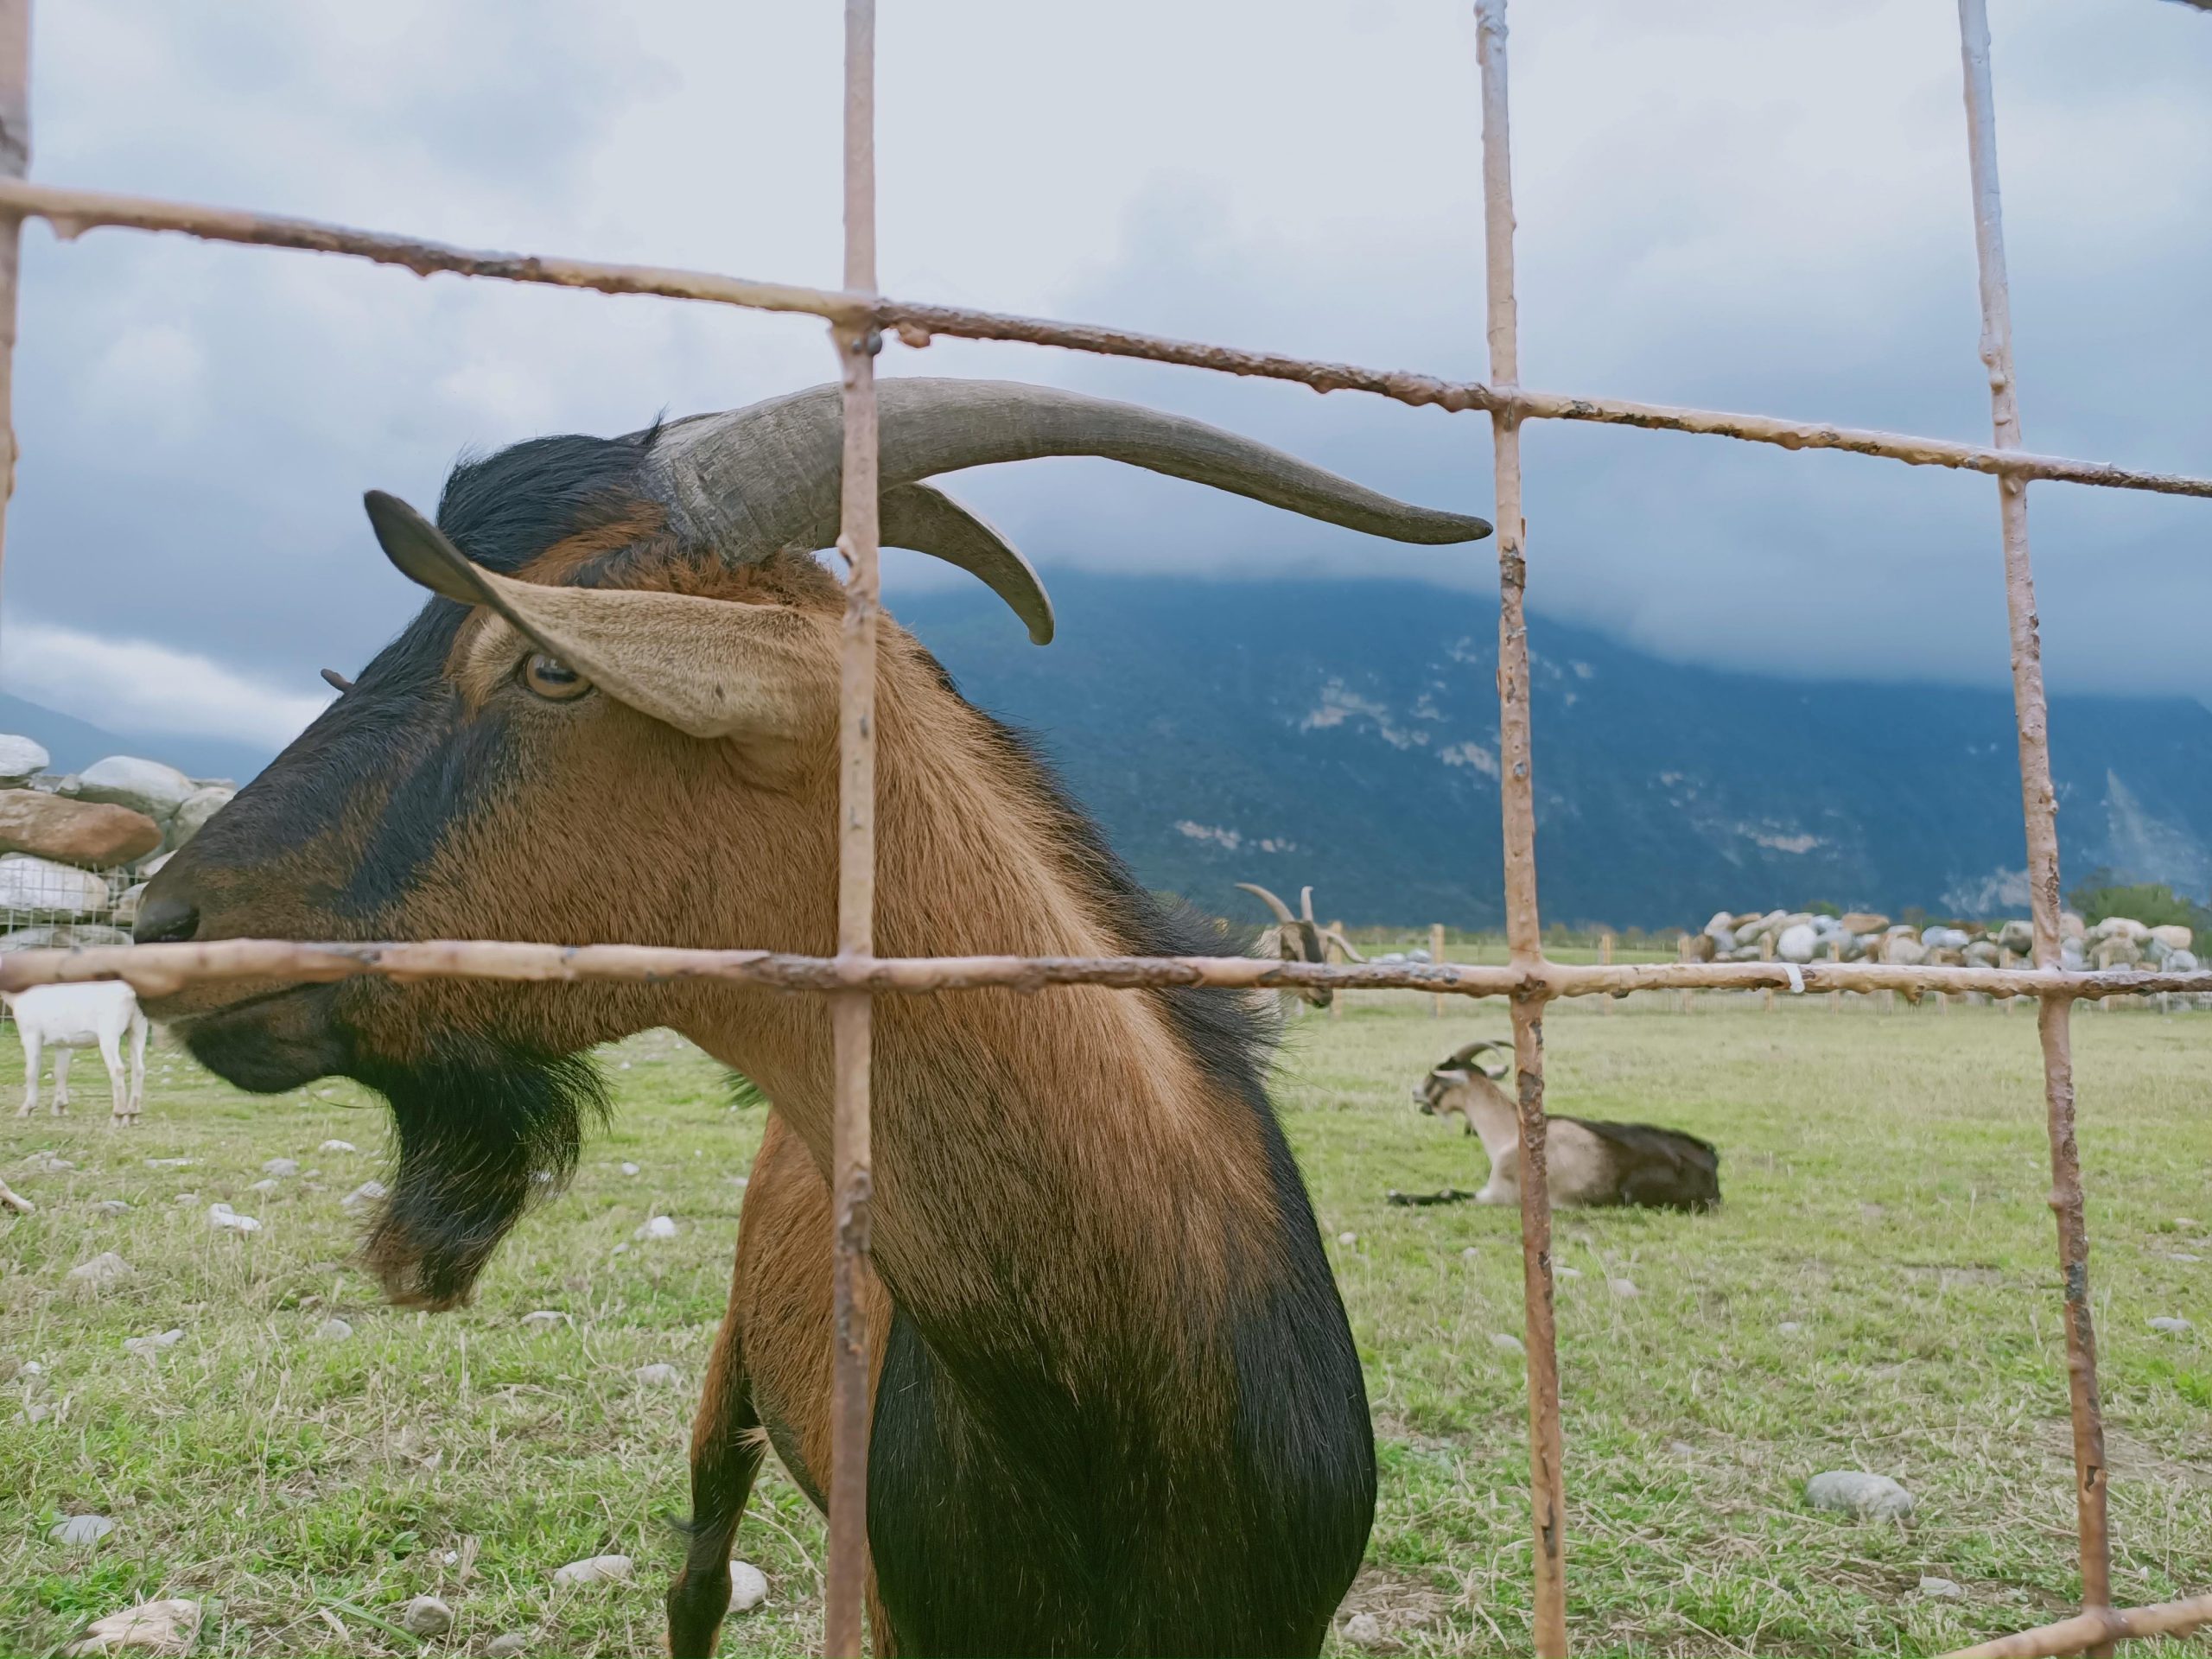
76 850
1862 935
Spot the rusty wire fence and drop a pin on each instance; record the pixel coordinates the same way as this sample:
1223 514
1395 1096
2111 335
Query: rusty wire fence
859 319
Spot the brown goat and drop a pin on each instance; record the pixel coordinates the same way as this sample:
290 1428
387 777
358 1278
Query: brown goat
1591 1161
1117 1408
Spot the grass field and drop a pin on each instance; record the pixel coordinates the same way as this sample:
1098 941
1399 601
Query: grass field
1884 1179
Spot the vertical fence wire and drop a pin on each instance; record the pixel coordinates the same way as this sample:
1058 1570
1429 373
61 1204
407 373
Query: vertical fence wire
2039 808
1524 931
851 1014
14 162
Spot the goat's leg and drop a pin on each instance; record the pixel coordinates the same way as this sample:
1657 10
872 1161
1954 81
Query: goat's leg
62 1060
727 1444
30 1073
118 1083
139 1028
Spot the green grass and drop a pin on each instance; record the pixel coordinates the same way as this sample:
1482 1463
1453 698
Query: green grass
1884 1175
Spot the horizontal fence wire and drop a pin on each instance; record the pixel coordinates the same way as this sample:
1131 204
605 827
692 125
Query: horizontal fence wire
164 969
73 212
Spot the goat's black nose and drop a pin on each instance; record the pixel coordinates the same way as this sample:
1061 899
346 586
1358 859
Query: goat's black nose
166 919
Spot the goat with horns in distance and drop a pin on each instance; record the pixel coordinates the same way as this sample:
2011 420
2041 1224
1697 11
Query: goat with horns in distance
1298 938
1117 1408
1589 1161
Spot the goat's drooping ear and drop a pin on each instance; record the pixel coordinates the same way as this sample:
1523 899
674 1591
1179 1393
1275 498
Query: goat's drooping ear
708 667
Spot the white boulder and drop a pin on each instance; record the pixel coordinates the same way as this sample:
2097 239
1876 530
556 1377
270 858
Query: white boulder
2174 936
46 889
748 1586
1854 1492
145 786
21 760
1798 943
595 1569
198 807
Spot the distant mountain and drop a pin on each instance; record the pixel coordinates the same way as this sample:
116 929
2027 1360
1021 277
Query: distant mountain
1345 734
75 744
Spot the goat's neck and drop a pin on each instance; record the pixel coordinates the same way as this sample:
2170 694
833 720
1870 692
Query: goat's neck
1058 1159
1496 1124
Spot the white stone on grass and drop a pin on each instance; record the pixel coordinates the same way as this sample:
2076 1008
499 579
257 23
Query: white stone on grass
154 1344
629 1169
658 1227
221 1217
546 1318
101 1272
1623 1288
170 1163
658 1374
595 1569
82 1530
1791 1327
332 1329
338 1146
361 1197
1941 1589
1506 1343
1364 1630
45 1163
512 1645
426 1616
264 1185
1469 1253
1570 1273
2168 1324
1853 1491
748 1586
110 1207
1347 1238
152 1627
281 1167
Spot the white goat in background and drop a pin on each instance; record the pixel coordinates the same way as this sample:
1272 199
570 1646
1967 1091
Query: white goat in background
67 1018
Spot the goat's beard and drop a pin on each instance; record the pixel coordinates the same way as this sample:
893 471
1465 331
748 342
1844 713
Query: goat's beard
485 1132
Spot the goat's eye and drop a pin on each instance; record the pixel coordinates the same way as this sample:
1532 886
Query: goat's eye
553 679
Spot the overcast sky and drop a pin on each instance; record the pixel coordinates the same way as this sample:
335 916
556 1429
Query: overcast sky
1744 203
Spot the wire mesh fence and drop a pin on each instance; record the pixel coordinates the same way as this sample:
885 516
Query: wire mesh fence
861 321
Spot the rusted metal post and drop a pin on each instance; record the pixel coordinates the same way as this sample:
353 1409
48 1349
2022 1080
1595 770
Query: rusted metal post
1436 954
851 1014
2039 807
15 162
1523 930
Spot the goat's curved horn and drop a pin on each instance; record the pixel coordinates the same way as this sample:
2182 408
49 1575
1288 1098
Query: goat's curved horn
752 481
1465 1056
1281 910
1336 937
928 521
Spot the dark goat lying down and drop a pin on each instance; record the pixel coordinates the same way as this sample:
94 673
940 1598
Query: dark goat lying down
1590 1162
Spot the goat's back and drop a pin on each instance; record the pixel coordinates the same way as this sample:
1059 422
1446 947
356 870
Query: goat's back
1665 1168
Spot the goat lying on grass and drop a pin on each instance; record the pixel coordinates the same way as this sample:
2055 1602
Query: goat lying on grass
66 1018
1590 1162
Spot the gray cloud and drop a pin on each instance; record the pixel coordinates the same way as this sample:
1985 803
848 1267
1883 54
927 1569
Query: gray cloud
1760 208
